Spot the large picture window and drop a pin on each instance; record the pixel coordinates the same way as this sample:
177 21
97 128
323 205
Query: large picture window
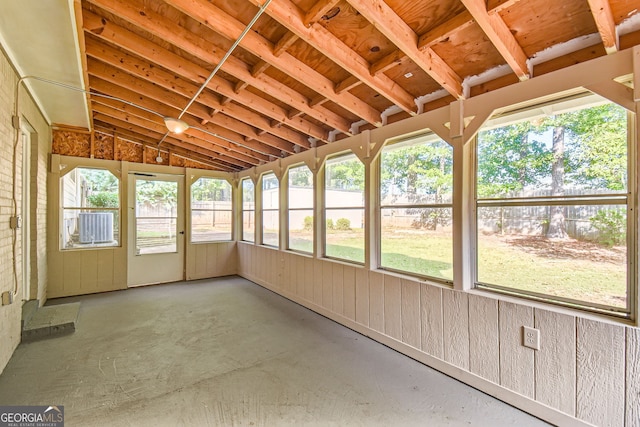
90 200
344 208
211 213
552 204
270 210
301 209
248 210
416 183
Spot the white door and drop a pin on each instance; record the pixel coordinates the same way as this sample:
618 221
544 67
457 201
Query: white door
156 229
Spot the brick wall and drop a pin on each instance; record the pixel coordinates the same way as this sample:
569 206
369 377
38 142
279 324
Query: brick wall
40 148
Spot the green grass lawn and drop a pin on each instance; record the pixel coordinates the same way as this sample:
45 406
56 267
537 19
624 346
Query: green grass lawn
577 270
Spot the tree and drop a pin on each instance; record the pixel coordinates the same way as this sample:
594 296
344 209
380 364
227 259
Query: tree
419 174
557 227
347 174
510 159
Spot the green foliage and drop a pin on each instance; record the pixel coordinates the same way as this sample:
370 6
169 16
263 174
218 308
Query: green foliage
156 192
422 172
208 189
103 199
330 225
308 223
346 174
611 226
301 176
343 224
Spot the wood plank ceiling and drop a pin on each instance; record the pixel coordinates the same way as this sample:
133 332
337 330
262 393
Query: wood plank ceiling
310 72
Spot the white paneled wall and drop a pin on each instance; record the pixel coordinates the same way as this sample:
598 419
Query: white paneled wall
586 371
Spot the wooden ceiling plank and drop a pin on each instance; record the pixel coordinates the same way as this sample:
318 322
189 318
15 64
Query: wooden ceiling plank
444 30
134 65
284 43
602 14
229 27
317 11
399 33
141 127
183 39
289 15
394 59
110 74
500 36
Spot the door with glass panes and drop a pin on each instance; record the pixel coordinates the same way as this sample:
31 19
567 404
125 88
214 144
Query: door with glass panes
156 229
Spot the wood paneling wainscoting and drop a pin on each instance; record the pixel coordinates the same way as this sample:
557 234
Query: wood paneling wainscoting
583 373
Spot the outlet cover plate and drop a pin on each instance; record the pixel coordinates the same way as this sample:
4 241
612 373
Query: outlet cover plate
531 337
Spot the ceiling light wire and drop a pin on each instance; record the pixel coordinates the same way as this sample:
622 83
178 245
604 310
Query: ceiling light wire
219 65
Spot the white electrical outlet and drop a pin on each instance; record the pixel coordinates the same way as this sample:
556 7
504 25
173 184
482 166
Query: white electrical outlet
531 337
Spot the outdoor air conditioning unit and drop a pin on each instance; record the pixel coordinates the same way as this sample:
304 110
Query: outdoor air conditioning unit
95 227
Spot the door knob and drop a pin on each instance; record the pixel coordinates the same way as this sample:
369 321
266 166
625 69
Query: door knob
182 232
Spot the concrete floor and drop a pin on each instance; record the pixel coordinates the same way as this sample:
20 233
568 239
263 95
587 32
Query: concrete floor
227 352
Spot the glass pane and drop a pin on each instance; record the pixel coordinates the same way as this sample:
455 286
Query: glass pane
576 252
270 227
344 182
575 150
91 188
211 193
83 228
418 173
209 226
300 188
156 235
301 230
210 210
90 213
345 234
156 212
248 226
248 195
270 192
418 241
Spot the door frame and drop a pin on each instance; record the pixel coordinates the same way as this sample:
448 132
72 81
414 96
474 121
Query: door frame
155 268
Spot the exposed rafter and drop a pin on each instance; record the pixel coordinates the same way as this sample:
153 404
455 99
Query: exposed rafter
601 11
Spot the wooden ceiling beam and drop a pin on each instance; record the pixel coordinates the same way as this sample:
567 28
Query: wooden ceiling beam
500 36
142 127
129 121
192 153
159 107
602 14
259 68
425 41
284 43
444 30
347 84
179 67
399 33
109 74
500 5
317 11
268 144
189 42
289 15
231 28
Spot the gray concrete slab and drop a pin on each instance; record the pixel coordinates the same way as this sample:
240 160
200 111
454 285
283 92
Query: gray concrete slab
227 352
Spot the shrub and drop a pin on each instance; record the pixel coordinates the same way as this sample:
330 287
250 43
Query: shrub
103 199
611 226
308 223
343 224
330 225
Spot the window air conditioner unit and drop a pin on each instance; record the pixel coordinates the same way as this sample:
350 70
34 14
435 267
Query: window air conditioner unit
96 227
